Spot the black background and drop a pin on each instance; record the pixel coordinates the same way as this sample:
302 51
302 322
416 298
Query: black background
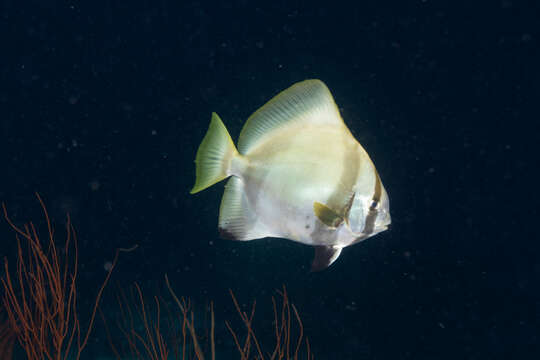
103 106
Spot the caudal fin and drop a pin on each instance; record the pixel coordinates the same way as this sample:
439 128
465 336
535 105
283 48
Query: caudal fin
213 160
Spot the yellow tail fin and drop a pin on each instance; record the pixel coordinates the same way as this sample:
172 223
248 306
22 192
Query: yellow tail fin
213 160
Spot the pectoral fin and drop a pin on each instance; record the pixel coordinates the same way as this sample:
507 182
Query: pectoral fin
331 217
324 257
326 215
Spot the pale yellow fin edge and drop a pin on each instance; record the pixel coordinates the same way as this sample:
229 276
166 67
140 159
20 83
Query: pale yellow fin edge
212 163
308 101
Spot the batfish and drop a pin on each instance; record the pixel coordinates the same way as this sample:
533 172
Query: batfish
297 173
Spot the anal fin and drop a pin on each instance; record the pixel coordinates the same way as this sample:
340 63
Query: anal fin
324 257
237 221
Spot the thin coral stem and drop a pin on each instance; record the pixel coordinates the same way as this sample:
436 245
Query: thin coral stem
212 328
301 335
283 331
149 343
190 326
235 338
7 337
247 322
96 303
108 333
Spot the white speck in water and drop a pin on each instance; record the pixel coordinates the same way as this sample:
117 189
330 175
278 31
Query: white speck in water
107 266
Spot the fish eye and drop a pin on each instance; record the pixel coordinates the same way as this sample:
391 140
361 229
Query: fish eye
374 204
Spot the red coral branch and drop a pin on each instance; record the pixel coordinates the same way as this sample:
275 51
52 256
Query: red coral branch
40 298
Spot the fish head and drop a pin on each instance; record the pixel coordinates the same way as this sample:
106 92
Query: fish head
382 208
368 215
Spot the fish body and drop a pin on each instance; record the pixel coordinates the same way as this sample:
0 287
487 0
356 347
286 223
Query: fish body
298 174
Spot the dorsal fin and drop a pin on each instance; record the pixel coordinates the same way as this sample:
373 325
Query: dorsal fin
308 101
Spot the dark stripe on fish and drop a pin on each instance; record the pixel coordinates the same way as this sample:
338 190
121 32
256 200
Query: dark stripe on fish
341 199
372 212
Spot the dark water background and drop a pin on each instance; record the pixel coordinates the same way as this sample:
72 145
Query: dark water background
103 106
